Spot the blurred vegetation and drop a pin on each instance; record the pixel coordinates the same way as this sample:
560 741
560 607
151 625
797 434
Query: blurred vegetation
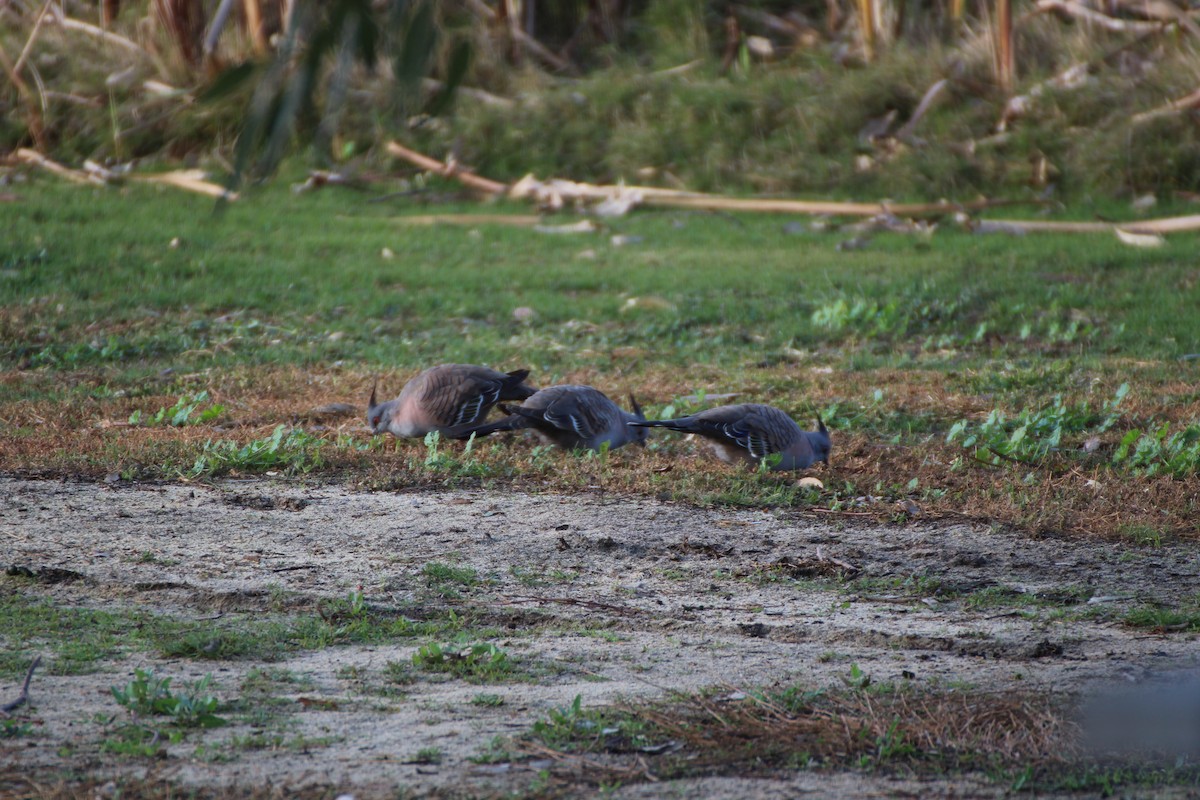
763 96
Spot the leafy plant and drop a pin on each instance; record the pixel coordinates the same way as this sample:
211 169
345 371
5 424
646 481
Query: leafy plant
1161 452
148 695
180 414
1032 434
298 451
480 661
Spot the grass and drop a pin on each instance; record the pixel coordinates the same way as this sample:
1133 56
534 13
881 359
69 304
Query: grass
898 346
82 640
1027 742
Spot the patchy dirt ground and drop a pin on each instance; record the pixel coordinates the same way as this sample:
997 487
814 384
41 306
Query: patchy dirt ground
627 598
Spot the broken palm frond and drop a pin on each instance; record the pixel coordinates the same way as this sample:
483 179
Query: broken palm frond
1149 226
451 170
1174 107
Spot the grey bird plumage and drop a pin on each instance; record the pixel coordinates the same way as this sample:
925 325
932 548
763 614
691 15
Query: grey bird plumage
749 432
446 398
572 417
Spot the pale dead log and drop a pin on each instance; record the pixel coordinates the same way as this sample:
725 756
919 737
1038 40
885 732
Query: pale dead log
38 160
192 180
515 220
1174 107
464 177
105 36
1162 225
37 27
782 206
1080 11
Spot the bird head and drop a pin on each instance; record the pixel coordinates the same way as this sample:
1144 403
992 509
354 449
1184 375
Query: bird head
819 439
639 434
379 415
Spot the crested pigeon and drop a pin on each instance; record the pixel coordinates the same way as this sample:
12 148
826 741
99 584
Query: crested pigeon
749 432
572 417
446 398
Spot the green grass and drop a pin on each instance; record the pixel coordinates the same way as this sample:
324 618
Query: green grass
82 640
283 302
283 279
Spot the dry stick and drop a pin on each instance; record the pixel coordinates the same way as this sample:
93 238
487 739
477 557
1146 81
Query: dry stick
433 165
717 203
1173 107
487 98
1163 225
517 220
38 160
1073 9
906 130
525 40
37 26
23 697
100 33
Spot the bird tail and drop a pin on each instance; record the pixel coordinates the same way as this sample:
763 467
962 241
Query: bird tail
683 424
512 422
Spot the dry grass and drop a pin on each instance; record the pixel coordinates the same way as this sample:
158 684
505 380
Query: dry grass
870 477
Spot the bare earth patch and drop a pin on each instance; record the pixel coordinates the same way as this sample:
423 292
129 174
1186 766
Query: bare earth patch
611 599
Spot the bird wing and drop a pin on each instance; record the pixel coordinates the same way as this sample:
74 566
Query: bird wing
461 394
759 430
581 410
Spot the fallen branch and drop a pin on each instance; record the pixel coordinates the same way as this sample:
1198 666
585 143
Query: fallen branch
906 130
516 220
23 697
191 180
1079 11
1174 107
38 160
781 206
1163 225
37 27
464 177
106 36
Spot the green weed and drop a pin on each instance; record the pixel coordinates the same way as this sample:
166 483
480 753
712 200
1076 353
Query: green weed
297 452
180 414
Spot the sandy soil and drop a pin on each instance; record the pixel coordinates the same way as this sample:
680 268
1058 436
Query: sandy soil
671 587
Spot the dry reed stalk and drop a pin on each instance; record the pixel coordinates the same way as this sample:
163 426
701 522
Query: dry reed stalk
184 21
1002 46
464 177
867 27
254 22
